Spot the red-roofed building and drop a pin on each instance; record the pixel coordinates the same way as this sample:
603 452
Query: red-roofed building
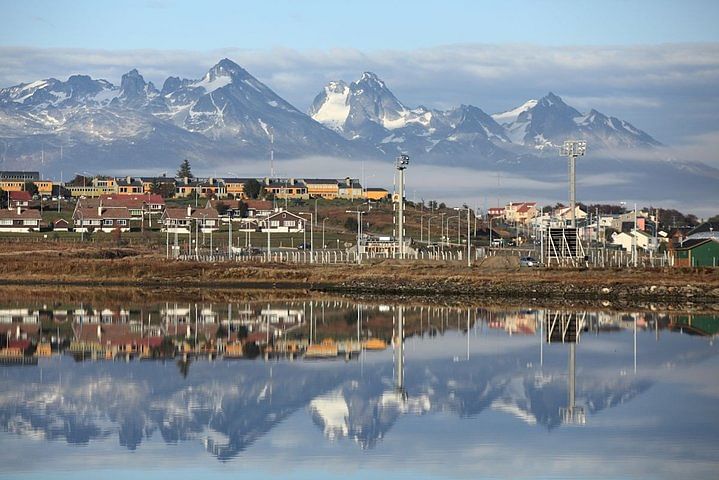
101 218
520 212
19 199
18 220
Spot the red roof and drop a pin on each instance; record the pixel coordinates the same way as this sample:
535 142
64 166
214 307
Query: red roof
21 196
20 344
258 204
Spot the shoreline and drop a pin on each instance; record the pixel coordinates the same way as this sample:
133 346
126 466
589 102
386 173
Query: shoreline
122 268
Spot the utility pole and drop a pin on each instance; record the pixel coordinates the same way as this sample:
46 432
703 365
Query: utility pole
401 164
573 149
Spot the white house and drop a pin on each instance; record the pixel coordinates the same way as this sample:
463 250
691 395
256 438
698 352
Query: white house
180 220
19 221
282 222
644 241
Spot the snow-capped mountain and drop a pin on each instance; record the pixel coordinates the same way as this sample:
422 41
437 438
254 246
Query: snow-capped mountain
549 121
226 113
366 110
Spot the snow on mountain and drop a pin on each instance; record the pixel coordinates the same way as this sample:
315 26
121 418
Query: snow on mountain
331 108
511 115
367 111
227 104
547 122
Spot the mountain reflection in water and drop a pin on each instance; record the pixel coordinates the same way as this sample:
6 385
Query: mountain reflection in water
541 369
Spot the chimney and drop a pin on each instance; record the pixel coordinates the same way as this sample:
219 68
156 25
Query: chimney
129 179
186 180
19 210
189 210
99 333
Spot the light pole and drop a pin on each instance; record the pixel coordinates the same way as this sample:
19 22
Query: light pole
401 164
429 229
490 229
323 233
441 228
312 235
448 219
573 149
469 261
359 232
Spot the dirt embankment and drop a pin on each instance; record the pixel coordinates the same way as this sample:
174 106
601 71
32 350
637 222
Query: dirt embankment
91 266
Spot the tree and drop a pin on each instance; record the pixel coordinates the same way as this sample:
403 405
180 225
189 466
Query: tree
253 188
351 224
242 207
31 188
185 170
222 208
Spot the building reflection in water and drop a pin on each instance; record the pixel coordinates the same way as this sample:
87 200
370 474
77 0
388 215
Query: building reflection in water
230 408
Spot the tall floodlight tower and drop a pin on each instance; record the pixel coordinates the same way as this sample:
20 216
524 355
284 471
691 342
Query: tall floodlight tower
399 353
573 149
401 164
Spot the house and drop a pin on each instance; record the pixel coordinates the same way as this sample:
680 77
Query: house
291 188
704 230
520 212
644 241
164 185
44 187
213 187
247 208
130 186
696 252
101 219
18 220
350 188
187 187
493 212
98 186
235 187
564 214
180 220
258 208
139 206
624 222
19 199
61 225
282 221
327 188
376 194
23 176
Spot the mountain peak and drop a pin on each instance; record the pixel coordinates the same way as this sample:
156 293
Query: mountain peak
371 78
226 68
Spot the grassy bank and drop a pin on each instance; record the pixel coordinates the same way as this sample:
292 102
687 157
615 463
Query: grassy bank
82 265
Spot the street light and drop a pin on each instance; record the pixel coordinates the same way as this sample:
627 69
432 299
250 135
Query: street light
469 261
359 232
573 149
401 164
323 233
312 236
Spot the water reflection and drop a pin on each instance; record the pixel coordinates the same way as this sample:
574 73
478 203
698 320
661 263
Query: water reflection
180 371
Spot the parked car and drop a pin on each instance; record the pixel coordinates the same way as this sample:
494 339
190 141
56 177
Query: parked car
528 262
304 246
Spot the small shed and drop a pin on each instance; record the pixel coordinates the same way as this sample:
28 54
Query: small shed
61 225
701 252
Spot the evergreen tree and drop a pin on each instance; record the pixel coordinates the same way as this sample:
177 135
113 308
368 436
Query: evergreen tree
185 170
253 188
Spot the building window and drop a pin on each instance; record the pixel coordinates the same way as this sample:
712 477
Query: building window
122 222
274 223
289 223
107 222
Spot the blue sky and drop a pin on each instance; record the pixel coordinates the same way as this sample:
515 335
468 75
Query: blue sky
652 63
366 25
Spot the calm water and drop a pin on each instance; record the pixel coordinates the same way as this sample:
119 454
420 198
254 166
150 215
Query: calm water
469 393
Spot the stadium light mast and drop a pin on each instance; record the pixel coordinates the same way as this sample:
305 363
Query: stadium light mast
573 149
401 164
